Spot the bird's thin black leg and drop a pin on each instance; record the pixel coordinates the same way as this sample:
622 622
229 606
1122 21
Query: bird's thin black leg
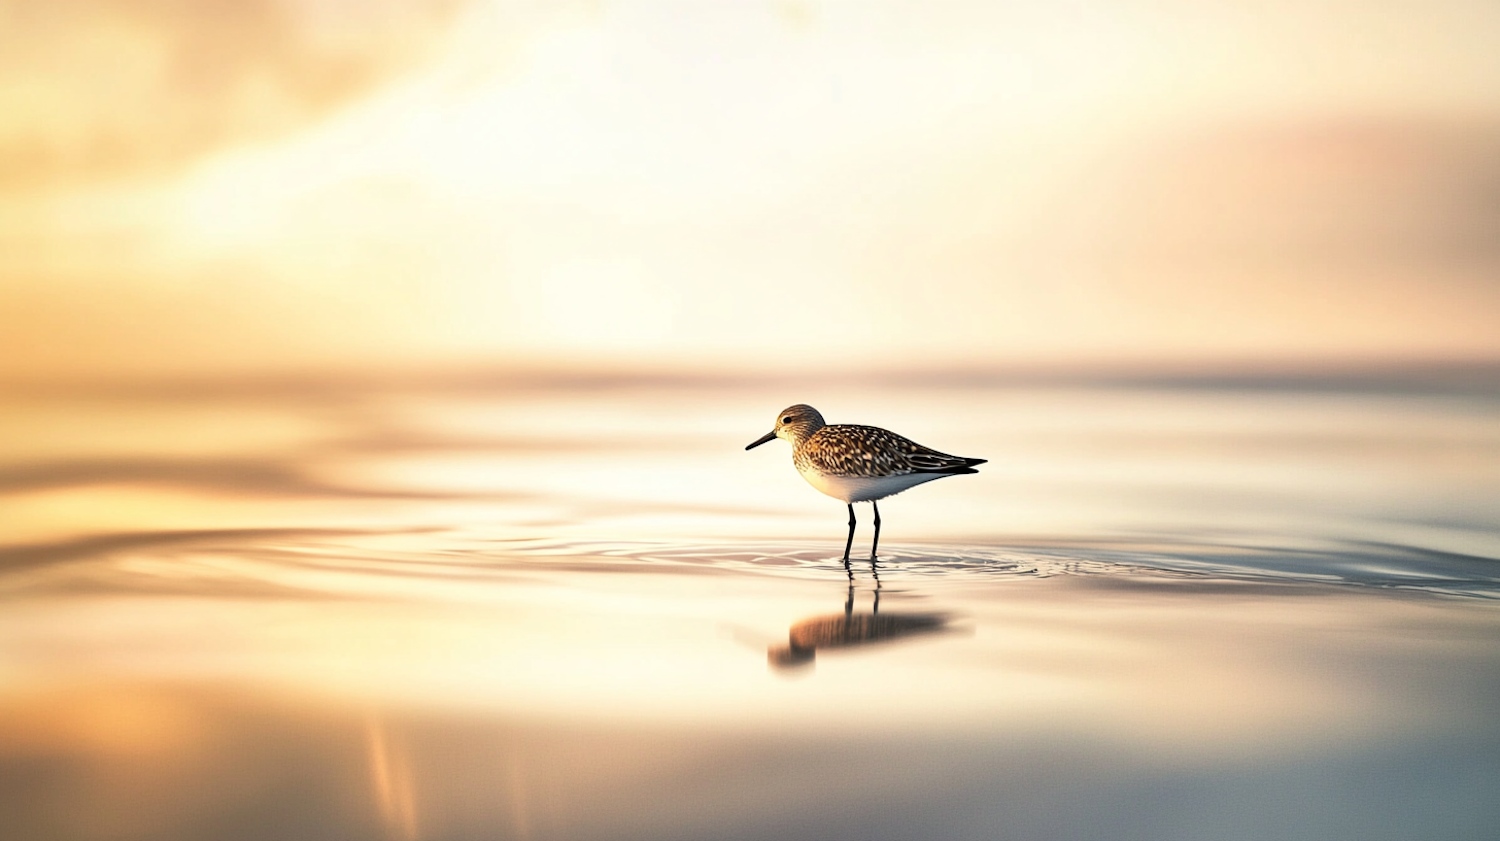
876 542
849 544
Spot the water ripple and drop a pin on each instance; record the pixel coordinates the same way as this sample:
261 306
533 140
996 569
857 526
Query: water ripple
1370 565
334 562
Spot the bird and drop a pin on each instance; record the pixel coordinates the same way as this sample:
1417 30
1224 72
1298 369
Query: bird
859 463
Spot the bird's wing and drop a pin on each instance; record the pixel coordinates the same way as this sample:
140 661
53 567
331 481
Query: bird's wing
850 450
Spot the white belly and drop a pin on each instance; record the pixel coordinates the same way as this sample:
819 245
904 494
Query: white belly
865 488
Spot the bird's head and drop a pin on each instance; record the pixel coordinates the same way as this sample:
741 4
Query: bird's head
795 424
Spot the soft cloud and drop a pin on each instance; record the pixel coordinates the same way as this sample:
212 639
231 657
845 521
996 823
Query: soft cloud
869 184
94 89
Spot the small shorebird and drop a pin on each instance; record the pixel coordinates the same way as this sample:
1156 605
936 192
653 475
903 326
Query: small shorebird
859 463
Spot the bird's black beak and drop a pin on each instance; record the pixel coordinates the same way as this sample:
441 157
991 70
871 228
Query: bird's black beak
769 436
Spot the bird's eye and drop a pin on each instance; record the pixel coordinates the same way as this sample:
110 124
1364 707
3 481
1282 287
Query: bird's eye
786 419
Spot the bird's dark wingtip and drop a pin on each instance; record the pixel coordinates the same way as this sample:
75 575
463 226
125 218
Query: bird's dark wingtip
955 470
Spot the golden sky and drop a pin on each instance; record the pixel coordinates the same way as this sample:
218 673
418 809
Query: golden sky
216 186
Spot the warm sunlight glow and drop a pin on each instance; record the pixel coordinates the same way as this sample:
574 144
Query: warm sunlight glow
744 184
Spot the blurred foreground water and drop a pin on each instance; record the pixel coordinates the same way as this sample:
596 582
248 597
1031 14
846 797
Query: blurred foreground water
574 607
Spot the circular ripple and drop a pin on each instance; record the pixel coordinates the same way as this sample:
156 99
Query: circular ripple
1359 565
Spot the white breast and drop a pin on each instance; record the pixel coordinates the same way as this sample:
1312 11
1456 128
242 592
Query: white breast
865 488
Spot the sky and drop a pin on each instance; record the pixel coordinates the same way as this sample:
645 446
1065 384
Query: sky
225 187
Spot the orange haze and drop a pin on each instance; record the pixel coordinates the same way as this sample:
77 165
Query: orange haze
193 187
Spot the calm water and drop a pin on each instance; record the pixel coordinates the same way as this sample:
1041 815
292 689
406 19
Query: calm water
510 608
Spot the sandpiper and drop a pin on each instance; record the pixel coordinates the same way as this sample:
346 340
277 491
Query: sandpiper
859 463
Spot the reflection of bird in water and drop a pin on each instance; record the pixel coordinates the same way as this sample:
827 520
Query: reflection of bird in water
859 463
850 629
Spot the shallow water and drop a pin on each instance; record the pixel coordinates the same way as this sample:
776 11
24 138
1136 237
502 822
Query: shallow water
523 608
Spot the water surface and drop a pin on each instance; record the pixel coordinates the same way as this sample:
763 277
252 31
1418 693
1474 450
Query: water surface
525 608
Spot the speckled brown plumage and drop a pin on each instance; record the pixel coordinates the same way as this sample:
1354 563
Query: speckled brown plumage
853 450
859 463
